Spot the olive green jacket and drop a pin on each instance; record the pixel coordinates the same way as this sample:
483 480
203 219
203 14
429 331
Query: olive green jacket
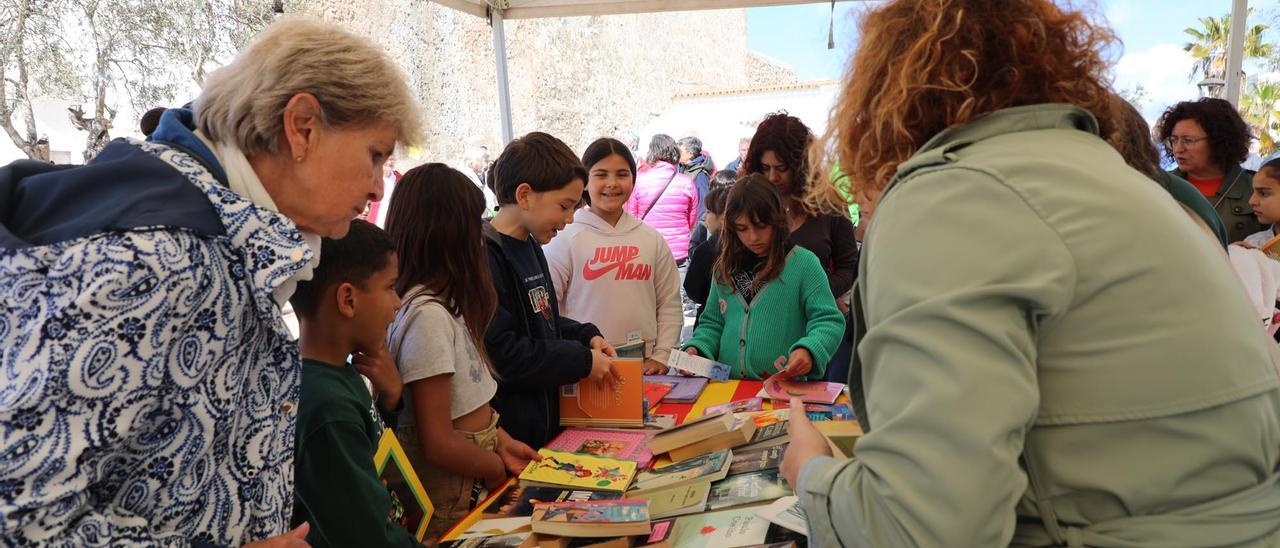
1053 355
1231 201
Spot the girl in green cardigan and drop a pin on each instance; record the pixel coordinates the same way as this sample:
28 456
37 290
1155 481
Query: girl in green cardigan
771 311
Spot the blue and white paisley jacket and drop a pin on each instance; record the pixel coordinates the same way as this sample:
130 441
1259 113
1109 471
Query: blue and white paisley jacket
147 378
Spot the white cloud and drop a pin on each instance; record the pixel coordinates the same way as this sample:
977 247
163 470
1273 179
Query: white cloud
1162 70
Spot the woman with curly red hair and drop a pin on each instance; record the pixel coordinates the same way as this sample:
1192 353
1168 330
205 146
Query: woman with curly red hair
1036 372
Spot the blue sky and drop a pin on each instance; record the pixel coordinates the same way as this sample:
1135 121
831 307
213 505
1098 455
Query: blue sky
1151 32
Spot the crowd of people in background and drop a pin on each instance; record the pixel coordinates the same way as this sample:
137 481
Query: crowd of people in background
1048 339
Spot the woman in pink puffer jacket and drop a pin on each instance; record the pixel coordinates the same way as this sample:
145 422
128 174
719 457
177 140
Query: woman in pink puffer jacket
664 198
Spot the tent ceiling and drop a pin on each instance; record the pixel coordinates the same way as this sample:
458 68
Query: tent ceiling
533 9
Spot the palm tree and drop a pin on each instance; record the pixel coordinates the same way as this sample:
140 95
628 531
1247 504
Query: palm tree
1209 46
1261 109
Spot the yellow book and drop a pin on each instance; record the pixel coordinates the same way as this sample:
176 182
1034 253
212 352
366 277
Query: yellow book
562 468
410 506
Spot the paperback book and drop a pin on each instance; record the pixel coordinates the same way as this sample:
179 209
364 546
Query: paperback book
709 467
699 366
767 458
630 445
678 500
683 389
564 469
740 406
518 500
726 529
747 488
786 512
592 519
808 391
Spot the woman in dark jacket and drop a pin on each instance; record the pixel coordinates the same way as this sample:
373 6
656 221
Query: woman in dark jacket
1209 140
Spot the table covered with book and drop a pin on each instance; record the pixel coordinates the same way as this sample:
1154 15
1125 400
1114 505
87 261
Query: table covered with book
702 472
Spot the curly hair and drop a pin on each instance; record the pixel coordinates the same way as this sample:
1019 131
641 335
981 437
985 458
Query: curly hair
788 138
926 65
1228 134
1132 139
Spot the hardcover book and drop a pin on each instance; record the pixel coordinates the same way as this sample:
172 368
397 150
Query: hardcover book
630 445
560 468
619 403
410 506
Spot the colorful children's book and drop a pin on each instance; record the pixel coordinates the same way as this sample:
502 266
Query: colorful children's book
607 518
683 389
518 500
808 391
786 512
561 468
766 458
678 500
616 444
619 403
654 392
747 488
740 406
699 366
709 467
410 506
765 418
727 529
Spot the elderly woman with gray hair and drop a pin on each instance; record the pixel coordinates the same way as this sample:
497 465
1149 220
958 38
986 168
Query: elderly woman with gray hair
148 381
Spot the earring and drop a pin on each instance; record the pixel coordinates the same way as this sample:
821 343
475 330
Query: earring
299 159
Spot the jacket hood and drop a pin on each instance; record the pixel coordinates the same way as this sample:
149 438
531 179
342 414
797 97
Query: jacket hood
590 221
122 188
701 163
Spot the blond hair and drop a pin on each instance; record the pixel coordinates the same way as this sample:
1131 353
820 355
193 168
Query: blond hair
355 82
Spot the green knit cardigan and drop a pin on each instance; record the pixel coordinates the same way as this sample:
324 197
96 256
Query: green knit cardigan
794 310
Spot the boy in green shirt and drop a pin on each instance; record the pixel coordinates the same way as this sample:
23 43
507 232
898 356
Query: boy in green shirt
343 312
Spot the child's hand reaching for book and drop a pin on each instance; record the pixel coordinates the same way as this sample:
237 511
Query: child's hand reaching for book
514 453
383 374
598 343
654 367
601 367
806 443
798 364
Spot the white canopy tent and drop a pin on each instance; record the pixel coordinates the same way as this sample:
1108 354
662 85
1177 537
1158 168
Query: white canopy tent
499 10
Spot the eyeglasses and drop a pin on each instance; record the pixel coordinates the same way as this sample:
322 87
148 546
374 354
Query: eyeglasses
1172 142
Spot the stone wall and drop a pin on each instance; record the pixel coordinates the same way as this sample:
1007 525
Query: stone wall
577 78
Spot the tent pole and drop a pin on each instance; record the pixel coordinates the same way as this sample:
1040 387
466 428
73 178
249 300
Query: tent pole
500 64
1235 49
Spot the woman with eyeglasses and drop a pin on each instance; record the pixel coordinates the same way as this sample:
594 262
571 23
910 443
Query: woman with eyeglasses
1209 140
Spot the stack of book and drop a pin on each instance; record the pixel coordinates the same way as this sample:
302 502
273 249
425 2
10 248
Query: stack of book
703 435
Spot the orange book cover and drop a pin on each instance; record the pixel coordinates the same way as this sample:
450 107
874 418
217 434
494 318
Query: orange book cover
619 403
1272 248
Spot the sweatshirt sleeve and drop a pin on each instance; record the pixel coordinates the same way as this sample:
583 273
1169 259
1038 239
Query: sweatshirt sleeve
844 255
666 285
948 325
824 324
336 483
523 362
559 254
